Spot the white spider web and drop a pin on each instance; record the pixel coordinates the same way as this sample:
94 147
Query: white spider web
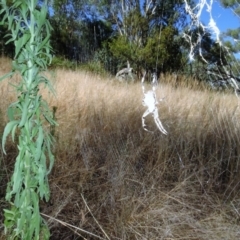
195 14
150 101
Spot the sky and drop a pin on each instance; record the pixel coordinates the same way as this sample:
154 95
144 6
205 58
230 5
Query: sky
224 18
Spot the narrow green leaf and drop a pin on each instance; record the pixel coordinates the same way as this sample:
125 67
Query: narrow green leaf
36 216
50 155
21 42
6 76
34 132
17 176
39 143
6 132
10 112
24 111
41 176
9 215
17 199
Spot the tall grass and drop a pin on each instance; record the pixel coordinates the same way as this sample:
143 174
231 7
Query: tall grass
113 180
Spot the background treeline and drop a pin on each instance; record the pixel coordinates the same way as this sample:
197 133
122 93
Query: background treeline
104 34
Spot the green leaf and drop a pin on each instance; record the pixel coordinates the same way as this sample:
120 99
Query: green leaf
13 132
21 42
24 111
39 144
34 132
10 112
6 76
9 215
17 176
9 127
41 176
50 155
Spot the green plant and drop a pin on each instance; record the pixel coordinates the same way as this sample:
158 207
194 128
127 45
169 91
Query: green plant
30 31
60 62
94 67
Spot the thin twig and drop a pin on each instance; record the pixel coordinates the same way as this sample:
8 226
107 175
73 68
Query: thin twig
71 226
94 217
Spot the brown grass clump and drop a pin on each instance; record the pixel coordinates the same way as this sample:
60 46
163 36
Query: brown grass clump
183 81
112 180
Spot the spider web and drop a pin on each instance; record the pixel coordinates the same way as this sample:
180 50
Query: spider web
150 99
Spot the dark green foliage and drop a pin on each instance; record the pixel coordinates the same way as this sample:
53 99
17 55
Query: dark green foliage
89 30
5 50
76 34
148 34
94 67
145 33
161 51
108 61
61 62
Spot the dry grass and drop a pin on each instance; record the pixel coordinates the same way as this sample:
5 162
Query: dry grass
112 180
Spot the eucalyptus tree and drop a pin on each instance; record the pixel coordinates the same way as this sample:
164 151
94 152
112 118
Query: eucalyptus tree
78 31
231 38
234 34
63 19
146 31
209 56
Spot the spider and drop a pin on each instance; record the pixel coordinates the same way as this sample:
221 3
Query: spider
150 101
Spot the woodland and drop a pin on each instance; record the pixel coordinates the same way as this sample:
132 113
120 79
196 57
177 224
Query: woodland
103 35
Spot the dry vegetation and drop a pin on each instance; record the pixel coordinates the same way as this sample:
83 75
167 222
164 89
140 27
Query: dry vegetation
112 180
